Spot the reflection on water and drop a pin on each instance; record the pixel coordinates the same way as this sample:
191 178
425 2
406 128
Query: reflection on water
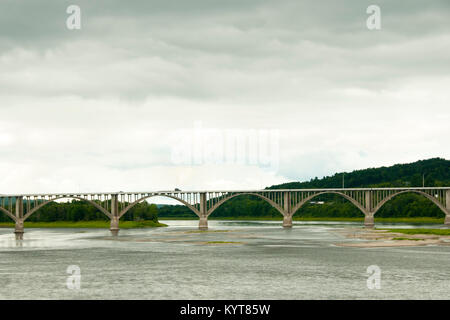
233 260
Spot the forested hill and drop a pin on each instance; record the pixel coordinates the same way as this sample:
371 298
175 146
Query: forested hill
436 172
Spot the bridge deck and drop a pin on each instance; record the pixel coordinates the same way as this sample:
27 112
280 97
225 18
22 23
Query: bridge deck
223 191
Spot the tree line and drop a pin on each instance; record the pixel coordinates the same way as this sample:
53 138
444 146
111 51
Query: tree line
77 210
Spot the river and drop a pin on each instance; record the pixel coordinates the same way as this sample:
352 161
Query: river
234 260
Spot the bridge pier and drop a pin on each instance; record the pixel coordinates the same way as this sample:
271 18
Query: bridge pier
203 223
447 220
114 227
19 230
447 206
287 208
369 222
369 210
287 221
203 212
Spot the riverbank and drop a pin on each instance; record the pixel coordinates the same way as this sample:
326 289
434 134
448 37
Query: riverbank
413 220
152 224
86 224
394 237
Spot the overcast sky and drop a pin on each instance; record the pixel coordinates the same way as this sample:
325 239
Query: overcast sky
112 106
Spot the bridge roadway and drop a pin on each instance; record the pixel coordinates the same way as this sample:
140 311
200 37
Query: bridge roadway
19 207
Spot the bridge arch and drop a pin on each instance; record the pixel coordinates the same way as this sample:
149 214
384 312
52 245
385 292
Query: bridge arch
99 207
9 214
353 201
426 195
131 205
272 203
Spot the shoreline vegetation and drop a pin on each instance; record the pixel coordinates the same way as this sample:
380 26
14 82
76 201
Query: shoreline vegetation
421 231
86 224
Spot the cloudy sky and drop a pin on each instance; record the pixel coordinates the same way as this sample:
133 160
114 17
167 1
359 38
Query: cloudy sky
153 95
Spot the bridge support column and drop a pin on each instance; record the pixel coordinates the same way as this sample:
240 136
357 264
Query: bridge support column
287 216
368 215
203 223
114 227
19 229
369 221
447 220
287 221
447 206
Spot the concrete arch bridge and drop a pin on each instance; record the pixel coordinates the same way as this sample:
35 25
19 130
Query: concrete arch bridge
203 203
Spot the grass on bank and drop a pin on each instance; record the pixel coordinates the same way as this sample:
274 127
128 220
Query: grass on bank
403 238
227 242
440 232
86 224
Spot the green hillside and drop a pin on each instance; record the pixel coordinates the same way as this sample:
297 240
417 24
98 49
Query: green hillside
436 172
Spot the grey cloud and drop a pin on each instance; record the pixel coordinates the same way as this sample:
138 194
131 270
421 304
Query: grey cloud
140 69
219 49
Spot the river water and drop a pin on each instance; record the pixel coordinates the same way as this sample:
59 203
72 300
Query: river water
234 260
